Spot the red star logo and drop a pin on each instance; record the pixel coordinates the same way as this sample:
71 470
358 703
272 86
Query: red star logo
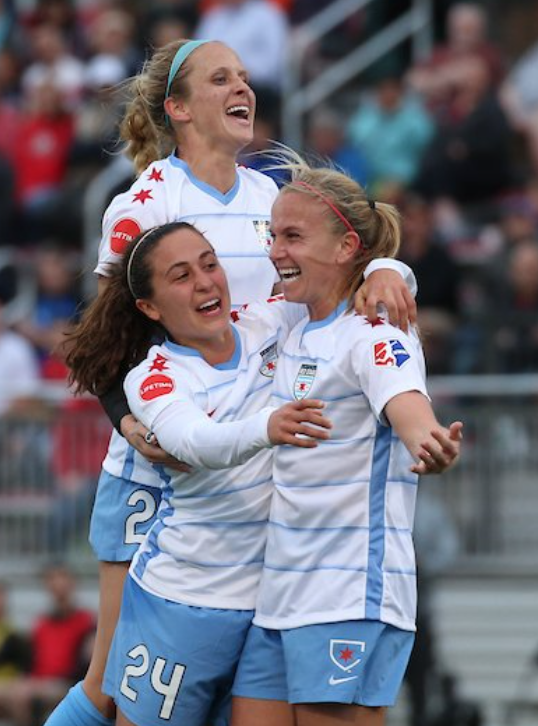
346 654
142 196
302 386
234 316
376 322
159 363
270 366
156 175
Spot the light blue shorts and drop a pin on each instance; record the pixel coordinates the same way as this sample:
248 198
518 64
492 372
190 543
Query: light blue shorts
122 514
174 664
361 662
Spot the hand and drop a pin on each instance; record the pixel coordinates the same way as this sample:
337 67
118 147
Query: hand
292 419
388 288
441 451
147 445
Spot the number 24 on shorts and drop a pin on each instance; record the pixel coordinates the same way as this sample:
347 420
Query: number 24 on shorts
168 690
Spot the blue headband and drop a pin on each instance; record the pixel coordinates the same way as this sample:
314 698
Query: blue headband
180 57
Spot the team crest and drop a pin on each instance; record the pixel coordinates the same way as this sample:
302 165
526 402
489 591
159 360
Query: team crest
346 654
264 233
269 360
304 381
389 354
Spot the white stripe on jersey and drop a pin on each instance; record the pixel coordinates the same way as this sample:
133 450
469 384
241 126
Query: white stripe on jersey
340 534
235 223
206 546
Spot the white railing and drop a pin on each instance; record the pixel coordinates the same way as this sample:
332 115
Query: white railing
299 98
49 464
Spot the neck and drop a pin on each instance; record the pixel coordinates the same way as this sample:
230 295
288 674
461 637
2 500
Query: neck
329 299
322 309
216 350
211 166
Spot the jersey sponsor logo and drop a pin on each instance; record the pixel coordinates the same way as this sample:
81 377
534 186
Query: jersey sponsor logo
159 363
156 385
346 654
390 354
263 233
123 232
304 381
269 361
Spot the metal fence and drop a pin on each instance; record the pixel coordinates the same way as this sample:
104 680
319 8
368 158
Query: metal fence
50 457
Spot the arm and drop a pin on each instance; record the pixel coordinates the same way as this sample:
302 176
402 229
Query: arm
435 447
390 283
189 434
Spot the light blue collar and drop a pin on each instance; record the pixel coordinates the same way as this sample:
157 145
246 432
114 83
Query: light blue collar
203 186
230 364
315 324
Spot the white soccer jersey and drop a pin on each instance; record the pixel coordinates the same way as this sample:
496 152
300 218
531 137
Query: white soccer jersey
236 223
340 533
206 545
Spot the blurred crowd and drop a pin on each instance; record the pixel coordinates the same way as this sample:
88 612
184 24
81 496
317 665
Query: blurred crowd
452 140
38 663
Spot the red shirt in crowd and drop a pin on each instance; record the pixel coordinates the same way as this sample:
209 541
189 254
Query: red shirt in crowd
57 641
42 153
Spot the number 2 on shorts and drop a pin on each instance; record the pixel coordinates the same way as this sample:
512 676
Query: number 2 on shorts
139 517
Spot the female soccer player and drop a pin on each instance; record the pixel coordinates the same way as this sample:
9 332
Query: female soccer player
189 599
335 612
191 113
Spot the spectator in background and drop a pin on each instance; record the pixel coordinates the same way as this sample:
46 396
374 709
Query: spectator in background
438 280
43 144
266 130
54 308
169 20
440 76
257 30
326 137
7 201
57 643
7 21
112 33
437 544
469 158
53 63
391 130
63 15
14 647
97 119
80 434
165 28
19 370
514 312
519 96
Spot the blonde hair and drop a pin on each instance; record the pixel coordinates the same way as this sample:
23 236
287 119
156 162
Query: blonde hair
376 223
144 128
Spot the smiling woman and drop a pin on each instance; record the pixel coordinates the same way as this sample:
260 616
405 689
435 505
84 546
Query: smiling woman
182 600
191 112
